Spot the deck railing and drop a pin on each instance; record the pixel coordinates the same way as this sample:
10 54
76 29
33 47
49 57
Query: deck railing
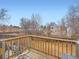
14 46
51 46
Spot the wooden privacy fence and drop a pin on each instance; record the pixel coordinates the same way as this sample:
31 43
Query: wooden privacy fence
51 46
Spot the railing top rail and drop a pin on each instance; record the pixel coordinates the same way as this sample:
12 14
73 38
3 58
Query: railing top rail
57 39
13 38
42 37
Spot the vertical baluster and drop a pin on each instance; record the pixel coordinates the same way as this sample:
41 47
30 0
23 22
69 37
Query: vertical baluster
38 44
45 46
3 46
66 48
77 48
48 46
35 43
42 45
51 48
62 47
18 46
58 48
24 44
32 43
7 49
25 39
16 50
74 49
55 48
12 47
71 48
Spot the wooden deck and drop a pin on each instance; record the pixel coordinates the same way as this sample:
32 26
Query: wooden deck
33 54
39 47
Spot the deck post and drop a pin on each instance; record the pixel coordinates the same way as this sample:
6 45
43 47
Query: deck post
29 42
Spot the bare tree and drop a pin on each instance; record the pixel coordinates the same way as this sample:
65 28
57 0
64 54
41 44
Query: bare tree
63 27
73 20
35 22
3 17
25 23
31 25
3 14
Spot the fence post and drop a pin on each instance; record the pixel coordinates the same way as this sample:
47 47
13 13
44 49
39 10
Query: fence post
3 46
77 49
